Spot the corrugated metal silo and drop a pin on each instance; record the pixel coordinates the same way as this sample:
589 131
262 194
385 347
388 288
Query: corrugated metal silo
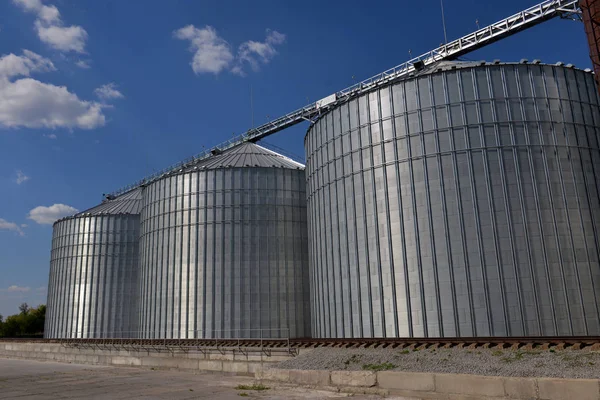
224 249
92 289
461 202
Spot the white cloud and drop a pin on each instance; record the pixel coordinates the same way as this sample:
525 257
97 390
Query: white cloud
51 136
15 288
21 177
12 65
50 29
10 226
48 215
255 53
30 103
83 64
211 52
108 91
69 38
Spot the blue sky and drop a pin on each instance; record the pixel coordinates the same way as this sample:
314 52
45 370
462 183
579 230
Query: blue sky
97 94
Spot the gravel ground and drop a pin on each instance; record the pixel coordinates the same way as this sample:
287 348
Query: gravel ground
532 363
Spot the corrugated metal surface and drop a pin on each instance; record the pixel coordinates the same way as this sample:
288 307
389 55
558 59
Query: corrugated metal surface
224 250
464 202
93 283
127 203
93 277
246 155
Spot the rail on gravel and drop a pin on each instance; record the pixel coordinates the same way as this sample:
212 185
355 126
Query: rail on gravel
292 345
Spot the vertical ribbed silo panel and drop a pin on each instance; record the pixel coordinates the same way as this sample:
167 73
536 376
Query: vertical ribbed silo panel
98 276
51 286
66 280
236 237
65 320
175 255
432 201
78 291
384 211
586 141
218 264
245 253
61 314
553 211
533 205
143 277
410 174
55 313
201 255
58 313
185 257
90 281
72 304
291 255
192 264
473 195
486 163
336 308
400 279
209 256
86 283
161 277
513 237
364 219
316 237
151 226
168 257
571 229
443 206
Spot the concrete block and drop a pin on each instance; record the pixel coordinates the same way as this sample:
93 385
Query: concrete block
177 363
255 368
308 377
219 356
85 359
372 390
237 367
491 386
580 389
210 365
273 374
277 357
520 388
422 382
354 378
131 361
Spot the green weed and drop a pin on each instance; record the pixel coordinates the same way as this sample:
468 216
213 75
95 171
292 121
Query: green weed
378 367
255 386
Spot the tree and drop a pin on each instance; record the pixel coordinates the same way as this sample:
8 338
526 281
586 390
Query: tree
24 308
29 322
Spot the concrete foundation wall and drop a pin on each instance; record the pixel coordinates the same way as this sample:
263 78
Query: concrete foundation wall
229 361
439 386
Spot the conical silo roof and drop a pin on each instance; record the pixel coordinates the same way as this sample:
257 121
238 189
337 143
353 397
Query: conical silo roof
243 156
127 203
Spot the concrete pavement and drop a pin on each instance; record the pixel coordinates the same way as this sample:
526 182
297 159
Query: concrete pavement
37 380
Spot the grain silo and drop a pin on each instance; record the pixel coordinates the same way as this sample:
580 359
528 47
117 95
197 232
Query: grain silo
92 288
463 201
224 249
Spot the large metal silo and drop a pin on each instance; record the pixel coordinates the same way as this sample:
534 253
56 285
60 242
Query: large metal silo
224 249
460 202
92 289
